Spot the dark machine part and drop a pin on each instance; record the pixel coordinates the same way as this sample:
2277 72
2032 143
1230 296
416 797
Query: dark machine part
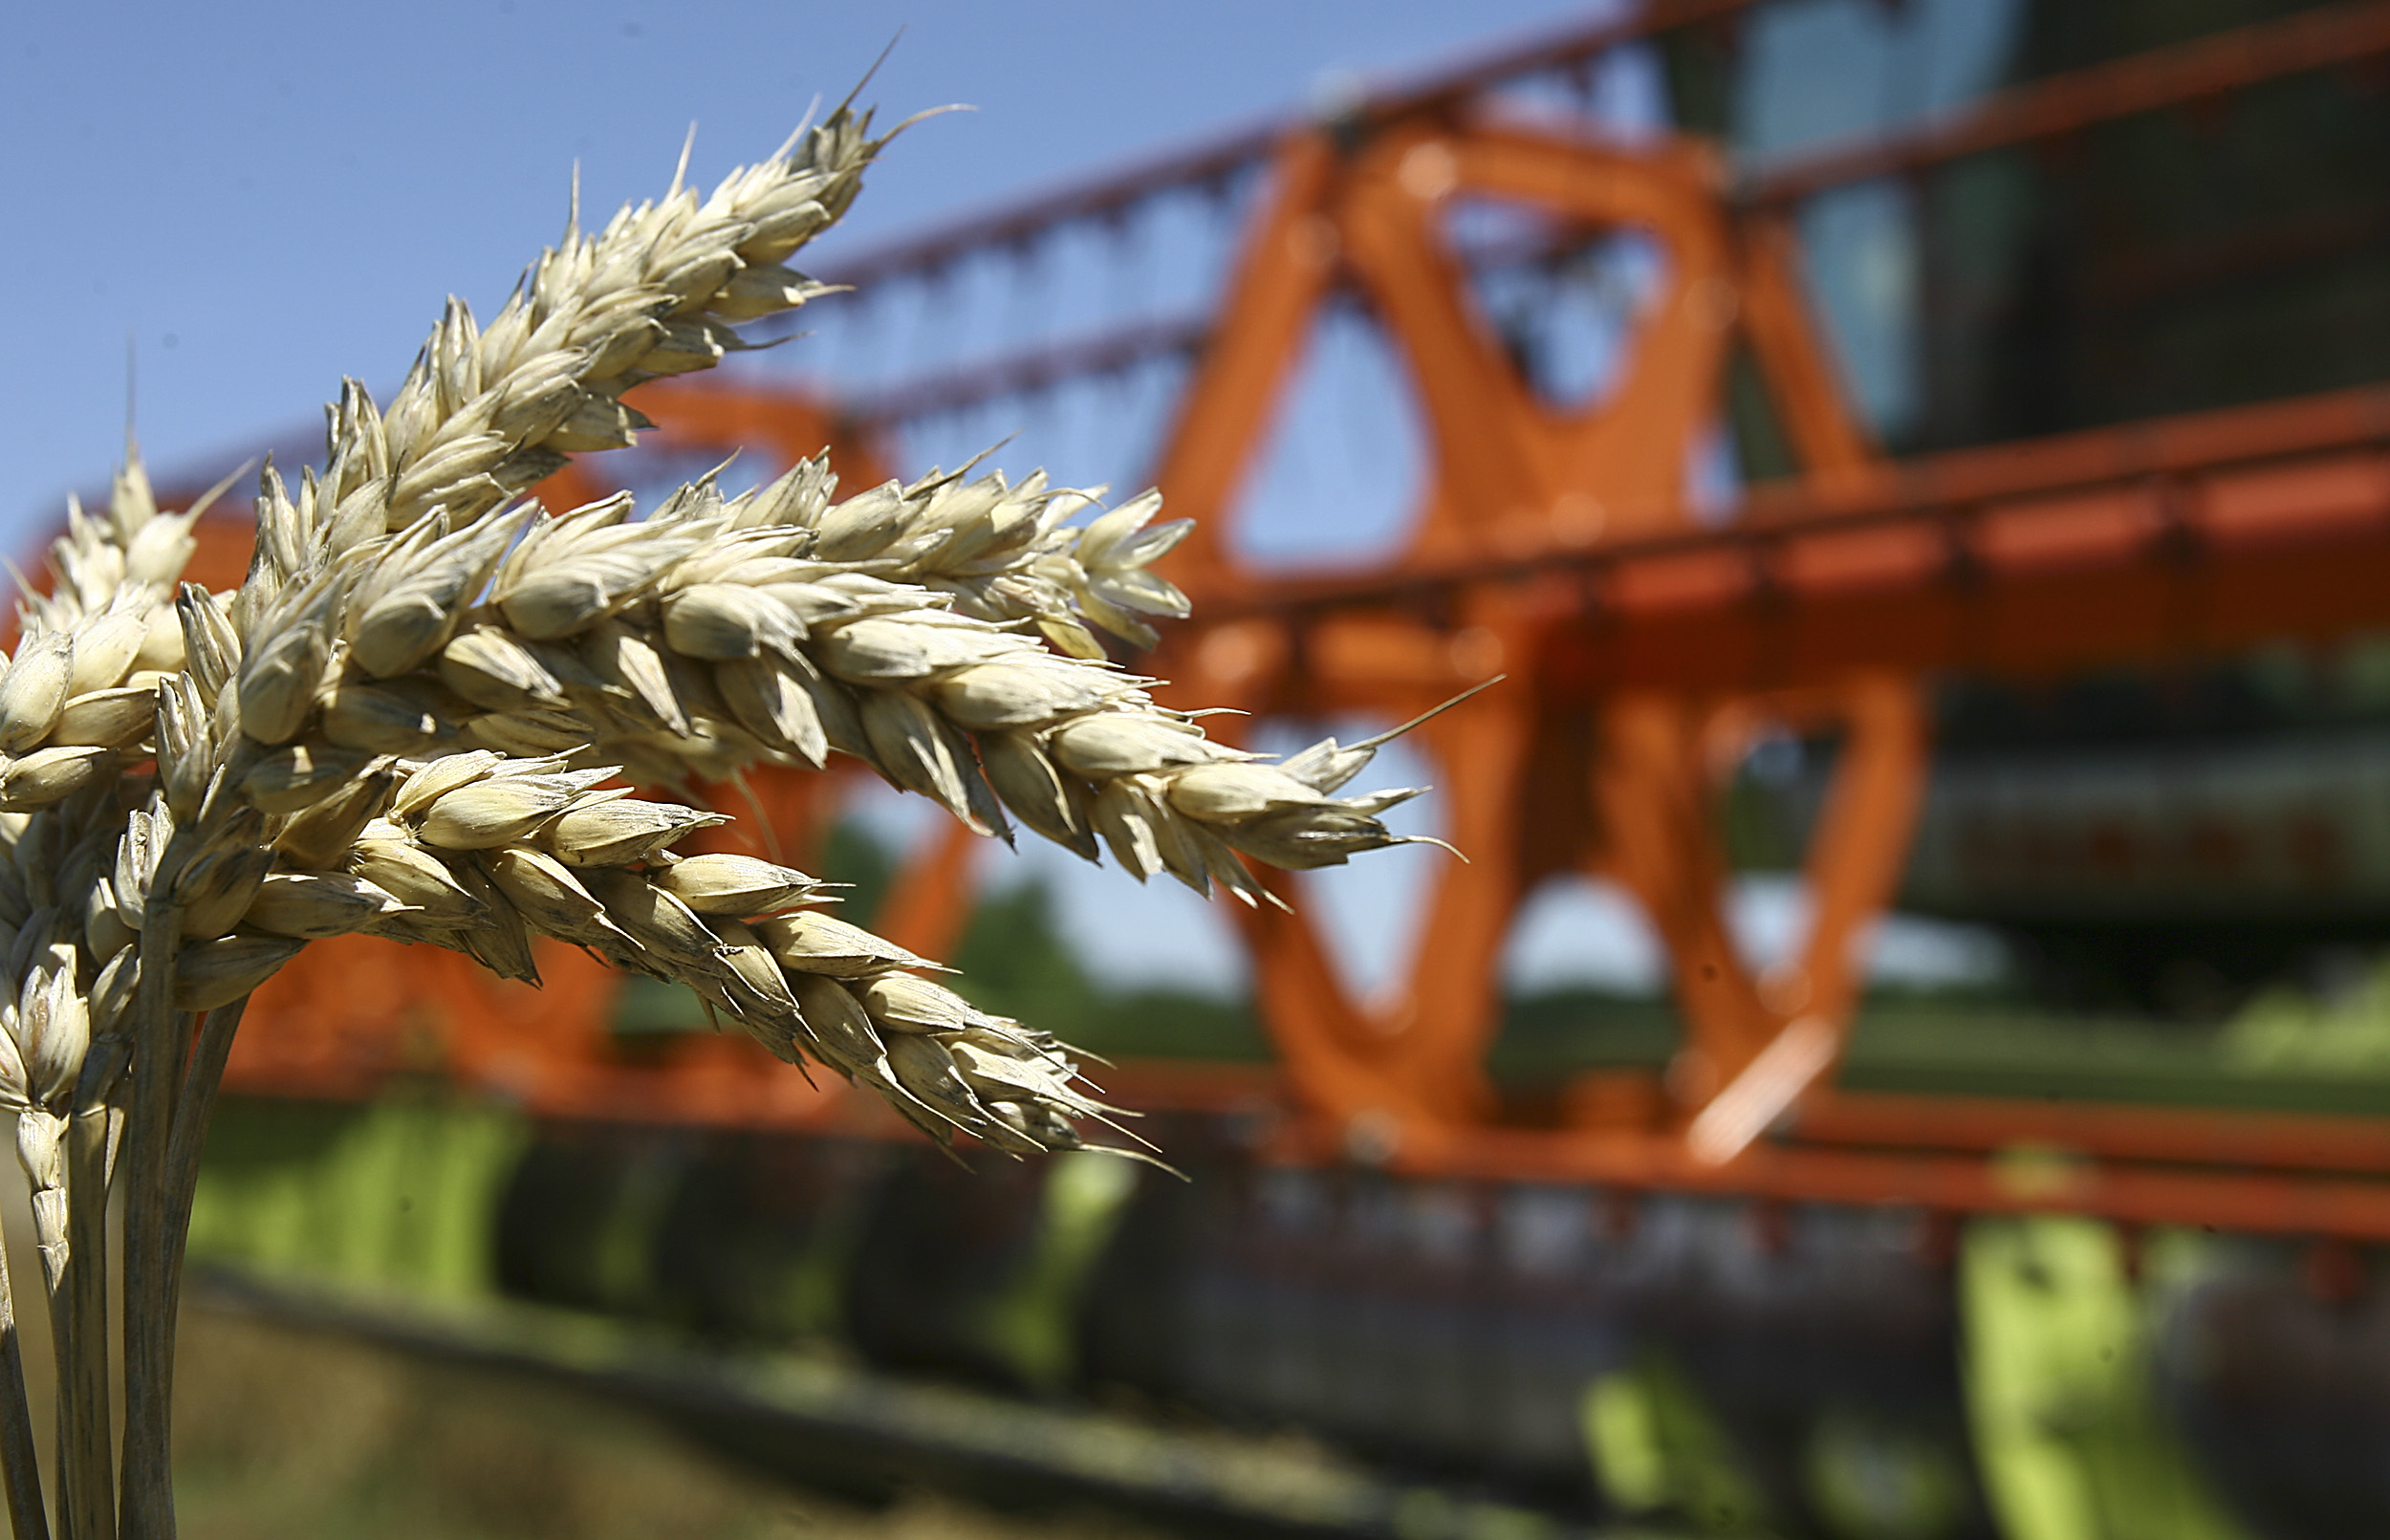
2279 1381
2141 835
1446 1333
1444 1329
2163 263
2159 843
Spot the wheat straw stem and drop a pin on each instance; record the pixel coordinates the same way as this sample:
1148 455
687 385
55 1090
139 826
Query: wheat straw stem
194 1103
61 1280
62 1272
17 1459
50 1240
147 1495
89 1497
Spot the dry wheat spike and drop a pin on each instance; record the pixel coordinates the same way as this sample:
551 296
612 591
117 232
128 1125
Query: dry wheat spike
425 712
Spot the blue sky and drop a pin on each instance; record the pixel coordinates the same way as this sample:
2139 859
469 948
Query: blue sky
268 196
259 199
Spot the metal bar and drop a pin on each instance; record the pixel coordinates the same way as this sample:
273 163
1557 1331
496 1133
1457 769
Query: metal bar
2130 1193
1938 487
2191 1134
1246 149
1027 372
2134 1164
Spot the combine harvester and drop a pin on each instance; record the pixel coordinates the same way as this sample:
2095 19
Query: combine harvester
1742 1273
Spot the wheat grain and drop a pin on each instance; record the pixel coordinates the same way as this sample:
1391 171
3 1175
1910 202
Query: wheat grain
702 654
485 413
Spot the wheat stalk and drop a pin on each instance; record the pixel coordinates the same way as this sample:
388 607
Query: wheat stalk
424 713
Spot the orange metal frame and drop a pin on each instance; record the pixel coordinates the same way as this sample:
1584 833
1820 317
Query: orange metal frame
1642 650
1529 792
